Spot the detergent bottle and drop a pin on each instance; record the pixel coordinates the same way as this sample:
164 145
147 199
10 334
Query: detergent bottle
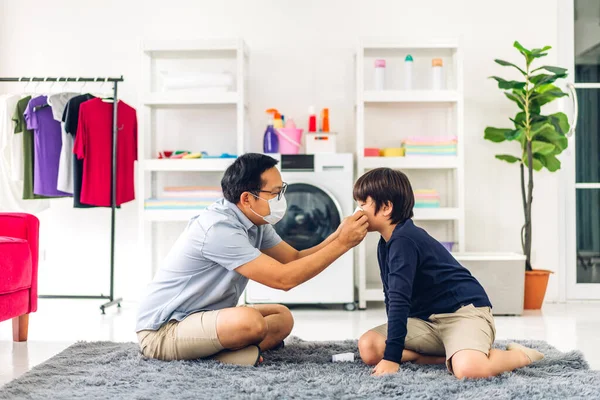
270 140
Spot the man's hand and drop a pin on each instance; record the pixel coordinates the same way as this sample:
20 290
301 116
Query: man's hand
385 367
353 229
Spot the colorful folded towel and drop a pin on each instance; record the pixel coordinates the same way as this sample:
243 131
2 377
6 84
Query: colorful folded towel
432 147
421 205
427 198
433 139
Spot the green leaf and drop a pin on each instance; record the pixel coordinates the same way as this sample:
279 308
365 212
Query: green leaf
508 64
513 134
522 49
520 102
542 50
541 128
559 141
519 119
495 135
546 97
508 158
504 84
560 122
537 164
550 162
547 87
543 79
554 70
542 147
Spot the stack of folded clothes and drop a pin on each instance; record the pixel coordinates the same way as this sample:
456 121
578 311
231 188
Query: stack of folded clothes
184 198
427 198
430 146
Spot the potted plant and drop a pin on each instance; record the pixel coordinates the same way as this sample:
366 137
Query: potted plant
541 138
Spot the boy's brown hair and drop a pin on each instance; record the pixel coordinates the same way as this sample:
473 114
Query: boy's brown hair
385 185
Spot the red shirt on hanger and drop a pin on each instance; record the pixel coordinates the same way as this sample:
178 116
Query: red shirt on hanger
93 144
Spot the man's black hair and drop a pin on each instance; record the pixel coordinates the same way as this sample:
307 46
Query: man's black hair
244 175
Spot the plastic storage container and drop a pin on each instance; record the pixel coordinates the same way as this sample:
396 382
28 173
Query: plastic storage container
379 74
437 74
321 142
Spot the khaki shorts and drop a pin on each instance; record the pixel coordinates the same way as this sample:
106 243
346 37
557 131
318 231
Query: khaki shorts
469 328
193 337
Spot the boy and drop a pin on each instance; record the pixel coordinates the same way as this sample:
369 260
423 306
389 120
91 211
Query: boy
437 311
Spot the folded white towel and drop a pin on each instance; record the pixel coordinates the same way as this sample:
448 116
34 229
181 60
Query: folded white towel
179 81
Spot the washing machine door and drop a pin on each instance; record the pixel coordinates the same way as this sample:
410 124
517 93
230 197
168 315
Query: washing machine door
312 215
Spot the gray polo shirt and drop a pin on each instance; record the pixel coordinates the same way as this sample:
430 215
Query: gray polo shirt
199 273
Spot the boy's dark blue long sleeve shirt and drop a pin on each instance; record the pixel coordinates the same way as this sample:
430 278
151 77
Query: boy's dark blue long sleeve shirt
420 277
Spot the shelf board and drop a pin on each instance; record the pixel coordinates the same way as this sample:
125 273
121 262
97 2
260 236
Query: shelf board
410 162
374 44
489 256
170 215
436 214
182 99
161 45
198 164
374 292
410 96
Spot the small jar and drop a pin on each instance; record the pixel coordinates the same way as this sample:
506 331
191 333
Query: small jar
379 74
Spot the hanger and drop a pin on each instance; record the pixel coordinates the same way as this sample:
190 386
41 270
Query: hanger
82 86
107 98
52 86
25 93
63 88
37 108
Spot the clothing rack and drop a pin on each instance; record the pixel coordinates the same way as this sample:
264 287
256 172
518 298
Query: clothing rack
113 189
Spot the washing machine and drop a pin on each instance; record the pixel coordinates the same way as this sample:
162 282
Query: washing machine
319 196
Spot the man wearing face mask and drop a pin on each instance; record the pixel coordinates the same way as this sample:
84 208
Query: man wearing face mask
189 310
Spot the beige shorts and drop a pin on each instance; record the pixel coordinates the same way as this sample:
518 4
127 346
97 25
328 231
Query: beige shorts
193 337
469 328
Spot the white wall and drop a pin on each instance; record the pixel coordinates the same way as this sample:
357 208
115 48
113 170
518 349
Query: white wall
301 53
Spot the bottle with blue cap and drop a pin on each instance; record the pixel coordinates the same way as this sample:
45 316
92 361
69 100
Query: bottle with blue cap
408 72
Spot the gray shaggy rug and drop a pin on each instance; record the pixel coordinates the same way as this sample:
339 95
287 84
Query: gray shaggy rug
106 370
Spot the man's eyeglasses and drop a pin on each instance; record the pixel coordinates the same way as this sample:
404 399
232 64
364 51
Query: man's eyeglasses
280 193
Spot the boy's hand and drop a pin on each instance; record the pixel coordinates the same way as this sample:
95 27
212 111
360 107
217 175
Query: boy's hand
353 229
385 367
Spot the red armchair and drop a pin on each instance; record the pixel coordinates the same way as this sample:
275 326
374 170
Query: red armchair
19 234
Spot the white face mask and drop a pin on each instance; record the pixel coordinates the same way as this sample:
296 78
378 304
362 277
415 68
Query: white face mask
277 208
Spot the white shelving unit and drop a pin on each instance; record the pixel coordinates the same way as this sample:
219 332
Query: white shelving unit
153 100
412 96
198 165
422 100
186 99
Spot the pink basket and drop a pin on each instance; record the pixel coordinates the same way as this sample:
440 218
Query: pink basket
290 140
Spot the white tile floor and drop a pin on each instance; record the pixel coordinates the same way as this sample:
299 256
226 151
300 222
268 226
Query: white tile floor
60 323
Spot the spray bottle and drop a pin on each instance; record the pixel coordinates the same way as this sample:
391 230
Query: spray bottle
277 118
270 140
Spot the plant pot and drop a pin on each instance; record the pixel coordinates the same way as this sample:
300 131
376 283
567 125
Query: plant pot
536 282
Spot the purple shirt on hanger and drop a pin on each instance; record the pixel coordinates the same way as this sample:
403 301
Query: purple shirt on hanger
47 146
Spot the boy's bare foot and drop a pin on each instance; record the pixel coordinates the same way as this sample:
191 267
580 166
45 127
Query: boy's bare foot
531 354
248 356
